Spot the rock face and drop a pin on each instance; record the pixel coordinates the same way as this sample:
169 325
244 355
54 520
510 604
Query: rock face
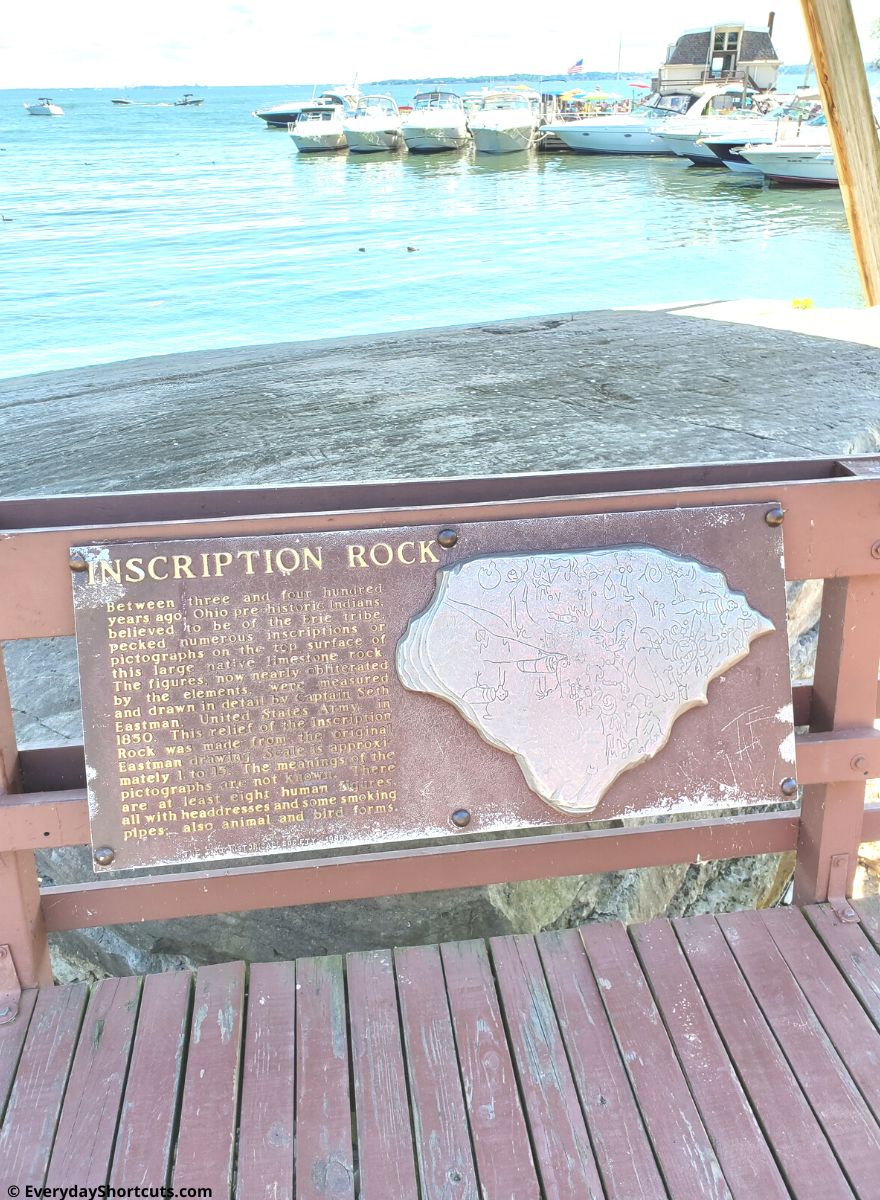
577 663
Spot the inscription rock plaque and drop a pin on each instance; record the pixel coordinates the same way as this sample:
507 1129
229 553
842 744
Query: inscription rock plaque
255 695
579 664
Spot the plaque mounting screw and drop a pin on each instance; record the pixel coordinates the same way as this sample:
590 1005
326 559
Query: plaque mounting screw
461 817
859 763
104 856
875 550
77 562
788 787
775 515
447 538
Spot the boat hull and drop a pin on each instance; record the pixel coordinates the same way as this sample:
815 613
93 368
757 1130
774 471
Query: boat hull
373 141
512 140
432 139
44 110
317 143
584 137
802 167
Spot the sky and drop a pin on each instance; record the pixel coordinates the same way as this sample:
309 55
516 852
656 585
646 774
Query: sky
104 43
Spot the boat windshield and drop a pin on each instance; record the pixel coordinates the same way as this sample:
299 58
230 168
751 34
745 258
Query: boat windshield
375 105
437 100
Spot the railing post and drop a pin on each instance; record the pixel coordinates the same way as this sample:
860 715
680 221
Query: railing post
844 696
21 918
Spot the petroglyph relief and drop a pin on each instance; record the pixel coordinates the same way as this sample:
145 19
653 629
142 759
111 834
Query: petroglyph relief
578 663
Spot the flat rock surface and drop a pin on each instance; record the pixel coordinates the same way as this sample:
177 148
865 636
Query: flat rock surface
587 390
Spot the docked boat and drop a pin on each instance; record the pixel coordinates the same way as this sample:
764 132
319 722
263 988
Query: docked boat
437 122
691 139
374 126
188 100
791 162
318 128
638 132
791 133
279 116
44 107
504 122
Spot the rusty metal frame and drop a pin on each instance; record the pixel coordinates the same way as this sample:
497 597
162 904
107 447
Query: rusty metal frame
830 531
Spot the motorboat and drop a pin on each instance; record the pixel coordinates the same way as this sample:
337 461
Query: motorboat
44 107
504 122
689 139
187 100
638 132
374 126
318 128
789 162
728 149
122 100
279 116
437 122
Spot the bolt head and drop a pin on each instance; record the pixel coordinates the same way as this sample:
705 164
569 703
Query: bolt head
447 538
775 515
859 763
104 856
875 550
4 1012
78 562
461 817
788 787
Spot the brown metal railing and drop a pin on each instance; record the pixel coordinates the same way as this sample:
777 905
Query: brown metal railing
830 532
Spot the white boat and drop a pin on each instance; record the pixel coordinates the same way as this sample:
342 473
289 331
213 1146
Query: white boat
437 122
44 107
504 122
794 134
374 126
790 162
689 139
279 116
188 100
318 128
638 132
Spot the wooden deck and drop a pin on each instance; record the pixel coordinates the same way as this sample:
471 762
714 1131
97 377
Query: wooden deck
736 1056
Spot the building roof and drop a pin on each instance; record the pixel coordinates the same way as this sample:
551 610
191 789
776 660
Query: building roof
693 48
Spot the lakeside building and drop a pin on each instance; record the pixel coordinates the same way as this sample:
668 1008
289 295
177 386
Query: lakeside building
718 54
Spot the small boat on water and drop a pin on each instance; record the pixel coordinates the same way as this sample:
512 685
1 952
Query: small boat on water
318 128
437 122
504 122
122 100
44 107
789 162
279 116
374 126
187 100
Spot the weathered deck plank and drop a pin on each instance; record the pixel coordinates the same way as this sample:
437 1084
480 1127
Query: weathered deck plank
35 1101
801 1148
145 1140
84 1140
561 1139
623 1151
206 1137
747 1163
323 1146
443 1143
683 1147
266 1122
853 953
501 1138
845 1117
386 1156
11 1042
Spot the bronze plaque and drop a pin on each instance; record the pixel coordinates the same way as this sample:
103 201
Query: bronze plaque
246 696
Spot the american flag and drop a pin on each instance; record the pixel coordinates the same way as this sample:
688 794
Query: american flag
577 69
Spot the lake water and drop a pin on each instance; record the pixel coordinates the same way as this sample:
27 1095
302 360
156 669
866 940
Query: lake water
152 229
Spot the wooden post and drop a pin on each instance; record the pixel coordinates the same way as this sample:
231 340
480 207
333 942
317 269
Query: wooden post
839 63
21 918
844 697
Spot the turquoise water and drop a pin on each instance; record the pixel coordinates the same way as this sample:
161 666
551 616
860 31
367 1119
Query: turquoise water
154 229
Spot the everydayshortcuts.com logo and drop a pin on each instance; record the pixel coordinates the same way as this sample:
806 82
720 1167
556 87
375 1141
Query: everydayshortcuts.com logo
80 1192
